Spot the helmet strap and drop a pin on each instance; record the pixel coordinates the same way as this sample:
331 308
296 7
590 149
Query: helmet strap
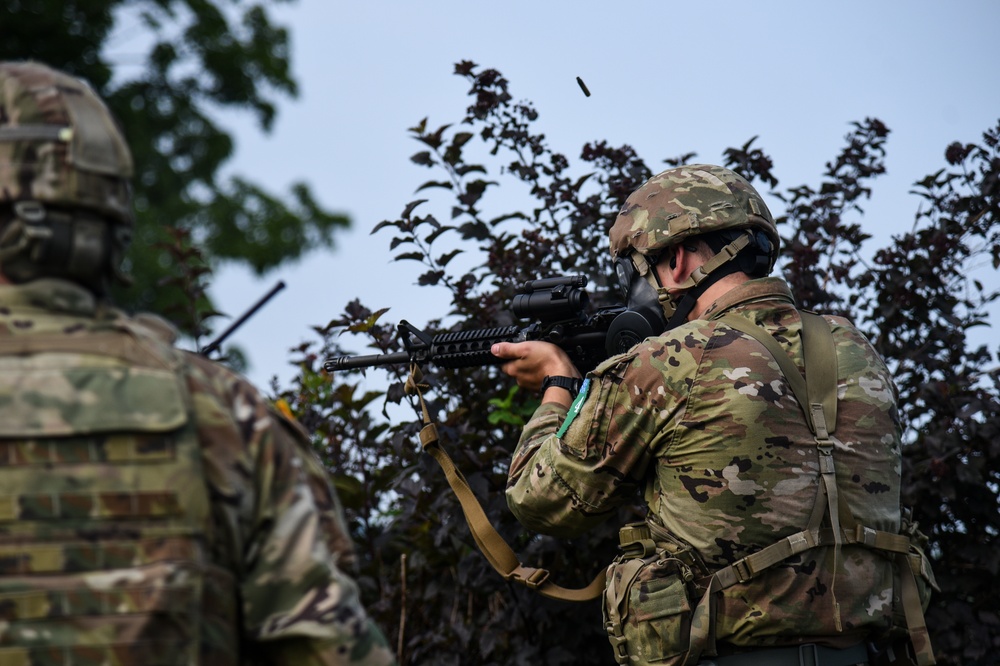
724 256
642 318
24 232
698 282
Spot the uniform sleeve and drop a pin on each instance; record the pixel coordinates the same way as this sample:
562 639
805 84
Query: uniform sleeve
333 523
298 601
572 469
287 532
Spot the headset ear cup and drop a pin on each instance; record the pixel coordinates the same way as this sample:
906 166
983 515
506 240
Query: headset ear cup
761 264
763 246
755 258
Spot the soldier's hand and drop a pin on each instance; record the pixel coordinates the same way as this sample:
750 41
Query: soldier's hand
529 363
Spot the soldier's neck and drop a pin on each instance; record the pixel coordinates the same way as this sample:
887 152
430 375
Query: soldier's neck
715 292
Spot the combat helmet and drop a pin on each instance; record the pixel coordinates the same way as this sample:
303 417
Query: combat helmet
65 179
671 207
688 201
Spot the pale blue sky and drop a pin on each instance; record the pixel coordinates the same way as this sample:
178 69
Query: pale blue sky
665 77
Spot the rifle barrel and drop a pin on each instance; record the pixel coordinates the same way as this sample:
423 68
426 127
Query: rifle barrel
351 362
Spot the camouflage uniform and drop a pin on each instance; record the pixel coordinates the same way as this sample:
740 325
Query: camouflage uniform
701 420
156 509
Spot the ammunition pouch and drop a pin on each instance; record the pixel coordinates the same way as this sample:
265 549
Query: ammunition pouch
648 599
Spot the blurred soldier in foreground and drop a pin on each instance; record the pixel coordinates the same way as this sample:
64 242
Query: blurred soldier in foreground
156 509
774 533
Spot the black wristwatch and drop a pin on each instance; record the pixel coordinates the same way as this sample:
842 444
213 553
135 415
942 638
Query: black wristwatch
571 384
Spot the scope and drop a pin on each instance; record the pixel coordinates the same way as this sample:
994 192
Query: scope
579 281
552 299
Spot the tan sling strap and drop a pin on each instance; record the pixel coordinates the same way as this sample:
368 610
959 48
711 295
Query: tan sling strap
816 394
490 543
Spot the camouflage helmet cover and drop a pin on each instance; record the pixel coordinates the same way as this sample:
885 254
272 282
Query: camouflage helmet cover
60 145
687 201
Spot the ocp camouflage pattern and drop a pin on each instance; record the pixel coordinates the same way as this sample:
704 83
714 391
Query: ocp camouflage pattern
59 144
155 508
688 201
703 423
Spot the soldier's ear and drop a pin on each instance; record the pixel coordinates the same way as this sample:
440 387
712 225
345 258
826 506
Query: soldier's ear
682 261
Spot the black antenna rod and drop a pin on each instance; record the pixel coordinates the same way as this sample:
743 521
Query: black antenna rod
214 344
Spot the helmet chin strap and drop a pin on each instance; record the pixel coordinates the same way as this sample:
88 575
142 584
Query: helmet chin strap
704 276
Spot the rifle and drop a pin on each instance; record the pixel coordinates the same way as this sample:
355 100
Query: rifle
556 307
214 345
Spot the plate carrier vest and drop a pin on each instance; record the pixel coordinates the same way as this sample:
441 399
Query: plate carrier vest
105 520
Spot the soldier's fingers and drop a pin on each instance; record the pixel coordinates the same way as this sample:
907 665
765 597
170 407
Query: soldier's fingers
505 350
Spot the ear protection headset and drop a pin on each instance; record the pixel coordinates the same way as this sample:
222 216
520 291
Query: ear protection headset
41 242
651 310
754 259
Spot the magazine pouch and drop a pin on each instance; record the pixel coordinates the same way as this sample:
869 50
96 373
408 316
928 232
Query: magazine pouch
647 600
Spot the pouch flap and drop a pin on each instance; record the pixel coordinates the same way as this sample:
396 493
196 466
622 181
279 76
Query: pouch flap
50 402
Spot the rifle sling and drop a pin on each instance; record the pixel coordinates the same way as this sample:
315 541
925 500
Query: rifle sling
493 546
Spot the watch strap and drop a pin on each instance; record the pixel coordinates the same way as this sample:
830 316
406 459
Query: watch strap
571 384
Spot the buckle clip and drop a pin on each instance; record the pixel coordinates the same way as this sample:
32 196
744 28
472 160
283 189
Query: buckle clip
742 570
635 541
865 535
617 643
632 532
808 655
534 579
428 436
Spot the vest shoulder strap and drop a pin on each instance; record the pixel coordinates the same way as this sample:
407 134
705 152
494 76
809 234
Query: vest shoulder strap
816 393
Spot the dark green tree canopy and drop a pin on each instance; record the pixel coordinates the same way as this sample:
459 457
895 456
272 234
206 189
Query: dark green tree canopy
170 69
